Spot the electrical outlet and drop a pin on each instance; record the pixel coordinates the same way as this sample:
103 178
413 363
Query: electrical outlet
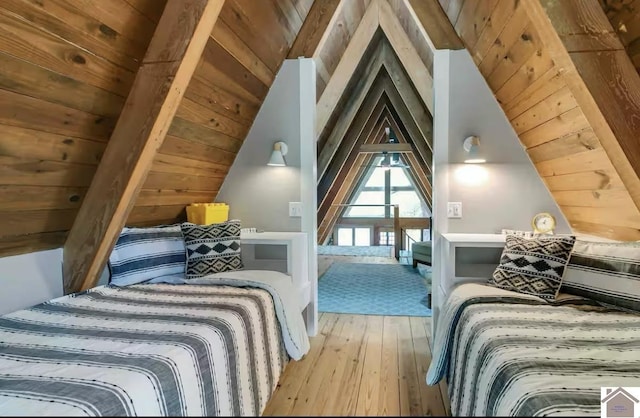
454 209
295 209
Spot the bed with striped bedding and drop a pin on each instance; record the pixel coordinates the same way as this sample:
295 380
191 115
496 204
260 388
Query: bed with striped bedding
509 354
153 349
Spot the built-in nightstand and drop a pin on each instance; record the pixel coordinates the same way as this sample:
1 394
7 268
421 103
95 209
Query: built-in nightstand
296 265
478 268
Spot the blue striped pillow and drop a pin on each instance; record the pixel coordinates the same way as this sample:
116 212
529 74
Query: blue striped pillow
141 254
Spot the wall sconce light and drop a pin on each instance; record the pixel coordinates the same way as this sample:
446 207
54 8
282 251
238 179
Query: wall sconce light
277 156
471 145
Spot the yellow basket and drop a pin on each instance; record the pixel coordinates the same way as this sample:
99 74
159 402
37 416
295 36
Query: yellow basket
207 213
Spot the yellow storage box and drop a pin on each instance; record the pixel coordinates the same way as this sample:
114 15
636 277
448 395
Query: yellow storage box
207 213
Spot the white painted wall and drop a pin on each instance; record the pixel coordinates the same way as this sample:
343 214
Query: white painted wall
29 279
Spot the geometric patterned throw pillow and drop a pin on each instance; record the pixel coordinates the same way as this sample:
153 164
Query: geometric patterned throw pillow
534 266
212 248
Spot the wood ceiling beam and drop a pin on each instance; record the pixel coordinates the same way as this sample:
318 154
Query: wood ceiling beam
346 66
380 148
419 171
384 55
342 191
420 115
348 147
407 54
364 122
600 76
438 30
169 63
408 123
353 103
316 28
355 171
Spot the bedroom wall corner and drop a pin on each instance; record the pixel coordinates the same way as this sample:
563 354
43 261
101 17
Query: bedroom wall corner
29 279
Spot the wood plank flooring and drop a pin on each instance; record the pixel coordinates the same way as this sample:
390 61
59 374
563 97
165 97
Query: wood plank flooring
364 365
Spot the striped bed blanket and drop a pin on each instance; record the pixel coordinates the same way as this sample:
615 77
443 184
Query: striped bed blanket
153 349
509 354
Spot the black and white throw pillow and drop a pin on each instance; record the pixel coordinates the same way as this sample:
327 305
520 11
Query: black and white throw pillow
534 266
212 248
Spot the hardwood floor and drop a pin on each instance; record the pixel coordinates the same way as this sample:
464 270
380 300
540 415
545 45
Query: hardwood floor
361 365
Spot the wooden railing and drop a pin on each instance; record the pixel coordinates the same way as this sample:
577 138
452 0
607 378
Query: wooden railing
398 224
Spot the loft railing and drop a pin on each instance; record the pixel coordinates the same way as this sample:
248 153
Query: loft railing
399 224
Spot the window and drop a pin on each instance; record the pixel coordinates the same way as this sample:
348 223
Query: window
380 186
387 238
350 236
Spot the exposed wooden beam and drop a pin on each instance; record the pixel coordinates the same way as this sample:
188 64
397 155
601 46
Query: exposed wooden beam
418 170
600 76
348 181
348 147
408 123
353 103
342 190
380 148
385 56
347 65
359 130
438 29
169 63
316 28
406 88
406 52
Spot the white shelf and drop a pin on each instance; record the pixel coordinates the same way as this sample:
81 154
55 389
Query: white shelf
452 274
297 266
477 240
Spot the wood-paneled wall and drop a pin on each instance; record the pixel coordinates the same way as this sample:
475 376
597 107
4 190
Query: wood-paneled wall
551 125
66 68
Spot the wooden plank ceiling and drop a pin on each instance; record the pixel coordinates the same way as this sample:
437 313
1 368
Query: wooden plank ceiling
66 70
374 71
563 78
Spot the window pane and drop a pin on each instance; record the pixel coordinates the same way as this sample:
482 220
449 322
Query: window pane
368 198
377 176
410 204
363 236
399 178
345 236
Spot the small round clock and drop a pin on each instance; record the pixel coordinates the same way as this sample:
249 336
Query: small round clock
543 223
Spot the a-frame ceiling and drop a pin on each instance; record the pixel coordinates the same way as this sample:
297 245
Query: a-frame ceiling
382 75
562 70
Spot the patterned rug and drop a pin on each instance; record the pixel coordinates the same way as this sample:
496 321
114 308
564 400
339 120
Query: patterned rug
373 289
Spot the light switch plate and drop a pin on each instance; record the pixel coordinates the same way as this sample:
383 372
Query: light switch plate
295 209
454 209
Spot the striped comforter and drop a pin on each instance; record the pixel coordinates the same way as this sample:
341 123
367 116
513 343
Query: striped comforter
142 350
509 354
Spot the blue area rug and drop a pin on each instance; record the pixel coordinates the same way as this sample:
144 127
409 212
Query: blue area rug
373 289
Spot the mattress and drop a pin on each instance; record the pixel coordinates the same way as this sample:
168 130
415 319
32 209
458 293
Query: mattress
154 349
507 354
